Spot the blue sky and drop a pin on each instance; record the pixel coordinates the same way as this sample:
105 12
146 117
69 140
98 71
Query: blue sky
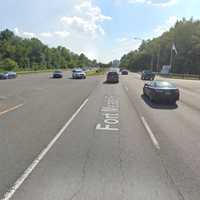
102 29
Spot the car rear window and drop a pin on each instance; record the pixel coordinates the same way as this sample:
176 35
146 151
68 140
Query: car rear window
112 74
162 84
78 71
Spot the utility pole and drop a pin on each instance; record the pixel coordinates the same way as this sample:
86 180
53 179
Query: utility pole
171 59
158 58
152 62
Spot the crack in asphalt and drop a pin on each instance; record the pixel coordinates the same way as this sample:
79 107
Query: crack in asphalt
75 194
123 180
170 177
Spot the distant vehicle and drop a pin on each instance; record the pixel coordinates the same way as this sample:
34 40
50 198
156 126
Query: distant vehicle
147 75
78 74
8 75
124 72
11 75
57 74
112 77
161 91
3 76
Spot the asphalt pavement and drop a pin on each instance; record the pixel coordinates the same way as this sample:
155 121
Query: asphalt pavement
85 139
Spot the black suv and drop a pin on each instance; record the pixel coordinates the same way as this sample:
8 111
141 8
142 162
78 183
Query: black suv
112 77
147 75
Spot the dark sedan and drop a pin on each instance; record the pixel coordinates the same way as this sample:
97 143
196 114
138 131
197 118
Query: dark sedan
57 74
3 76
112 77
124 72
161 91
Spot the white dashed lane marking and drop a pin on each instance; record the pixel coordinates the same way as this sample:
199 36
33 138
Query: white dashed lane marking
152 136
37 160
10 109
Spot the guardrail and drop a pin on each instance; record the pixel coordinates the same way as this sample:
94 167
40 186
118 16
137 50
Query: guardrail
180 76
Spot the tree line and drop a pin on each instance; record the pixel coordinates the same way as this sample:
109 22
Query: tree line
17 53
153 54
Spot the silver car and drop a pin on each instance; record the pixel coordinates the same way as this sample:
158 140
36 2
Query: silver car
78 74
8 75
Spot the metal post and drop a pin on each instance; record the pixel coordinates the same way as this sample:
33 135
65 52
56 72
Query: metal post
171 59
158 60
152 62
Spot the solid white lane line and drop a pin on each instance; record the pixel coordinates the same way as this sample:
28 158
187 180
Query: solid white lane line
37 160
152 136
11 109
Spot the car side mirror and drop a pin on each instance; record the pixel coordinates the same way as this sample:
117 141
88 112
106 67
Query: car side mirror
146 85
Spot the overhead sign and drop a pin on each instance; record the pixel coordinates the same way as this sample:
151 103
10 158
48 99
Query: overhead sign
166 69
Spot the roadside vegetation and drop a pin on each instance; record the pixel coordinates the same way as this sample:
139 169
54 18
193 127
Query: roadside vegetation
96 72
32 55
185 35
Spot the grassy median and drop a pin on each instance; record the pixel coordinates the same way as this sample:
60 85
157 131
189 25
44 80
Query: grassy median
95 72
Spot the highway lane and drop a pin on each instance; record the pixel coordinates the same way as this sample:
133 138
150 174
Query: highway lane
177 130
45 106
105 153
118 146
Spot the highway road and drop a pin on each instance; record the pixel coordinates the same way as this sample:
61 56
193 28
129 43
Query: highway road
84 139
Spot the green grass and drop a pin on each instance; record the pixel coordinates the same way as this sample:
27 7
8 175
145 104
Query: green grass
182 77
95 73
22 72
34 71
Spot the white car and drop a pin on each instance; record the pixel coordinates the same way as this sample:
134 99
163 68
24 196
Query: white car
78 74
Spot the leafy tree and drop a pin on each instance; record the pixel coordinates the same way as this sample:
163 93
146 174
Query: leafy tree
185 34
8 64
32 54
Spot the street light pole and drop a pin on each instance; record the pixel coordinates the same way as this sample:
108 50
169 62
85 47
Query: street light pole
158 58
171 59
152 62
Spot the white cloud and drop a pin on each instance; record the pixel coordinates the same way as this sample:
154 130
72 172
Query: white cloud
42 35
124 45
46 34
81 31
24 34
28 34
16 31
166 26
62 34
160 3
88 19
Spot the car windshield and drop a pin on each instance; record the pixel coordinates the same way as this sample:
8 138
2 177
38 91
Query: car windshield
78 71
58 72
112 73
147 71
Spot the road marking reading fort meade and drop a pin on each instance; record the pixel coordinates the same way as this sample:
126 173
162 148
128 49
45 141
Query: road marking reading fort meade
110 113
37 160
152 136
